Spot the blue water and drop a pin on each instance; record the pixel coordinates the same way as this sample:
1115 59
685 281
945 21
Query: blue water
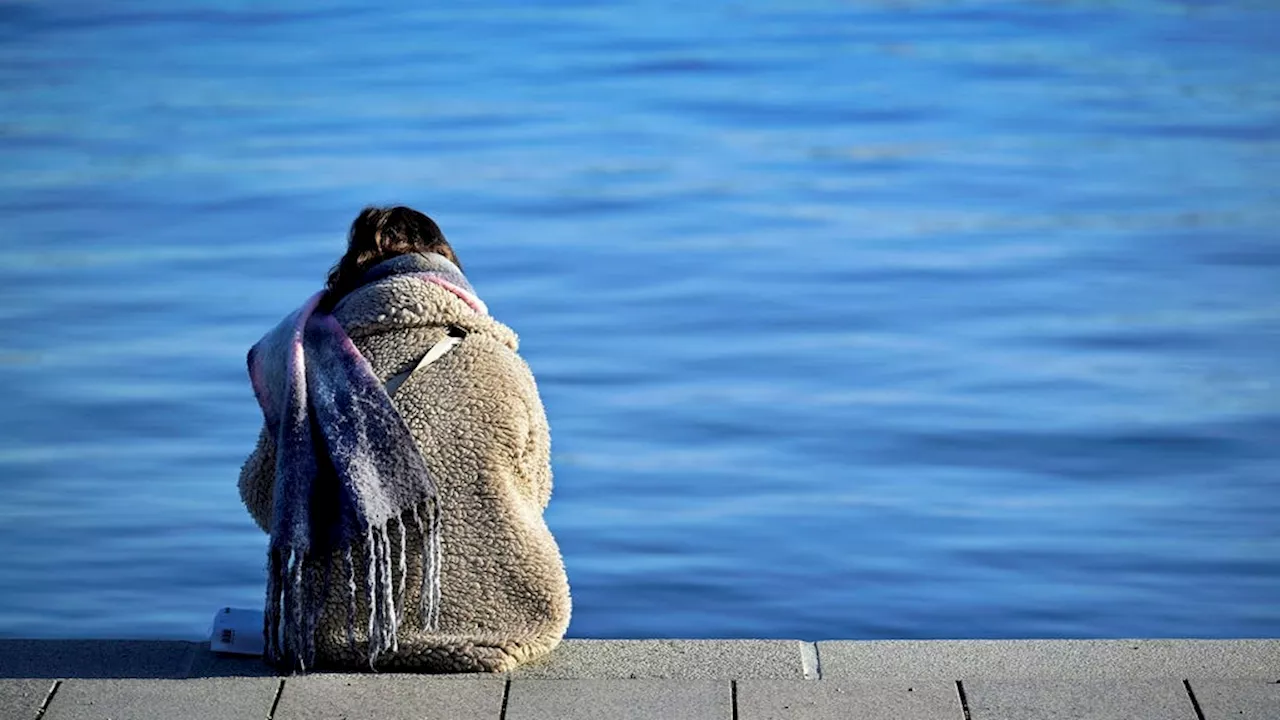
852 319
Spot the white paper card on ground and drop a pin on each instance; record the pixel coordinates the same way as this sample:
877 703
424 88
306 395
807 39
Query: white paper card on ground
237 631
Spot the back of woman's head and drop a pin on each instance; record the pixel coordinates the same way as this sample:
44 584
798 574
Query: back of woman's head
378 234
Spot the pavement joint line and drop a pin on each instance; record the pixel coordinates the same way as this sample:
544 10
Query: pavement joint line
1195 703
48 698
506 697
275 702
964 700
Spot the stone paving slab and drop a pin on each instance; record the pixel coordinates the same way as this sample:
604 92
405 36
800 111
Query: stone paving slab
21 699
1131 699
388 697
1238 699
95 658
619 700
206 699
1064 659
675 659
838 699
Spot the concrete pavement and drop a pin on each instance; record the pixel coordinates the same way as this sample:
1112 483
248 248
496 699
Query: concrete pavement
670 679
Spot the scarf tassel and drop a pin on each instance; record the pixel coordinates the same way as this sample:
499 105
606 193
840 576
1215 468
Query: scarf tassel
295 601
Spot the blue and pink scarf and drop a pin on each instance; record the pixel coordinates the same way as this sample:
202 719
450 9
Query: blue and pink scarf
348 473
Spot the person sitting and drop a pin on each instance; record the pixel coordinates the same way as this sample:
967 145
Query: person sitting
402 470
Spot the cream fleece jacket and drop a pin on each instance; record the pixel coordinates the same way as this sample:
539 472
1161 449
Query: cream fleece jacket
477 418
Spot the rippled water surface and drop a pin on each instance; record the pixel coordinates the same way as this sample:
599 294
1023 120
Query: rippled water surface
853 319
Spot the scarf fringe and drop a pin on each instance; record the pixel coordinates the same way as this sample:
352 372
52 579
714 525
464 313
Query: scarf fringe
295 600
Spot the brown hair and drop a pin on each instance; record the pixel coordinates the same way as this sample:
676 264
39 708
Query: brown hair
381 233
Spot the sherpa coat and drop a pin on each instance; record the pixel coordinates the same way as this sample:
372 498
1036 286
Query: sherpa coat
477 418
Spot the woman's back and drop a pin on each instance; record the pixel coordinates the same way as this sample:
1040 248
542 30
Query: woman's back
475 416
